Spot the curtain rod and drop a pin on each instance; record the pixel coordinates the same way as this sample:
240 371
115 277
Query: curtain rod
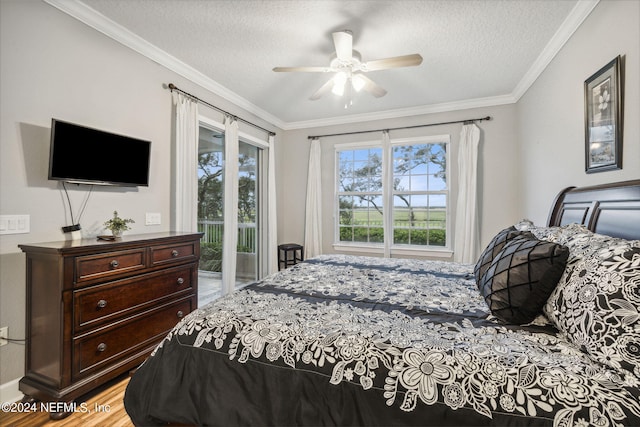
466 122
173 87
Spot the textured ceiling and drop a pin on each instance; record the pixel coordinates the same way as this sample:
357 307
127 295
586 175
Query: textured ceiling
472 50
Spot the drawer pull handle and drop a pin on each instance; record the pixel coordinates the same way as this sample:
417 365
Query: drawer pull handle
174 253
180 280
102 303
115 263
102 347
180 314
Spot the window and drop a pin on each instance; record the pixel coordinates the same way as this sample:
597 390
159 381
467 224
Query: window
408 199
360 195
420 194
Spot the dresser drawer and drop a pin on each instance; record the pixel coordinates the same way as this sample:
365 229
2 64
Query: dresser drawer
109 264
174 253
107 302
108 345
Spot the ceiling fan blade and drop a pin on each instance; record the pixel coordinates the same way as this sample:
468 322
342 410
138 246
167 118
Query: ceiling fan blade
395 62
343 42
371 86
324 89
303 69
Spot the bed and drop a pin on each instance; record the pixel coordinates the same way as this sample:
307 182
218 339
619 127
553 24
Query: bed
543 330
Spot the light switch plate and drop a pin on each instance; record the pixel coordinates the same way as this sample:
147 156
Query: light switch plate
15 224
152 218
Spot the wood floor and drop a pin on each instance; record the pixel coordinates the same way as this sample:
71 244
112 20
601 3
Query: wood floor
102 408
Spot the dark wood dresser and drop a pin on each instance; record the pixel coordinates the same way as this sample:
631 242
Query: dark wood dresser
96 309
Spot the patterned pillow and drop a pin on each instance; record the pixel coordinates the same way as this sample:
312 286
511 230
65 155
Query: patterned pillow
597 302
558 234
495 245
521 277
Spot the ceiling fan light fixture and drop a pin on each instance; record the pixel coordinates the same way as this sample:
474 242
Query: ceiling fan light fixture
339 82
338 90
357 82
350 70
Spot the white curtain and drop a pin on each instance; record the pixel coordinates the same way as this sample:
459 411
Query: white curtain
230 237
272 225
466 226
186 162
313 212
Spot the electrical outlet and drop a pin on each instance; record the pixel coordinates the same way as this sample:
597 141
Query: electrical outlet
4 334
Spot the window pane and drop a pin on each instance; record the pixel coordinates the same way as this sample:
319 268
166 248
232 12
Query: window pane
346 217
400 236
401 160
360 177
360 234
376 235
346 234
437 183
419 167
419 183
376 217
401 210
437 201
346 156
402 183
346 202
345 184
438 161
437 237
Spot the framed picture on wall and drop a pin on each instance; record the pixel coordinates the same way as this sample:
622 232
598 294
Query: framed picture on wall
603 118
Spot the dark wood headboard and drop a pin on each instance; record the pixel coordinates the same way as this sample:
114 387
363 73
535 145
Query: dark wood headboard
611 209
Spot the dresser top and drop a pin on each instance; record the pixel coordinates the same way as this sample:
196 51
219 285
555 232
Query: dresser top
82 245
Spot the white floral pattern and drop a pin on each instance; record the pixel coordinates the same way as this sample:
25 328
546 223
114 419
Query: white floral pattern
404 334
597 301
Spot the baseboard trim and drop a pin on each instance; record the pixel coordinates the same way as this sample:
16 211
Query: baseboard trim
9 392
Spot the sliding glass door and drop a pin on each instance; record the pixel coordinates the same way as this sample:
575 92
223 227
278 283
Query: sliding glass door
211 208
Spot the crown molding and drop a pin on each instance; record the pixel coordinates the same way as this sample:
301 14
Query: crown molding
404 112
89 16
117 32
576 17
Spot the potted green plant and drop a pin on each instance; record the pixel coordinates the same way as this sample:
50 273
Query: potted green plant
118 225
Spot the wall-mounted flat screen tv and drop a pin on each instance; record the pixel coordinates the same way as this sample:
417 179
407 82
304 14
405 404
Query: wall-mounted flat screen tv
89 156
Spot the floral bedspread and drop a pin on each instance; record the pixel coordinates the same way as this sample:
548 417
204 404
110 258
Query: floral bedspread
410 336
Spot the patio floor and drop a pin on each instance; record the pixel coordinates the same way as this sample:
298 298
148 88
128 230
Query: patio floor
210 286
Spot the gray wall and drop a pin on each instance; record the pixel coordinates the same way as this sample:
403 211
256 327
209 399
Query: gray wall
551 114
498 158
55 66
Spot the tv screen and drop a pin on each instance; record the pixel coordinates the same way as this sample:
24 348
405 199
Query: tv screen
83 155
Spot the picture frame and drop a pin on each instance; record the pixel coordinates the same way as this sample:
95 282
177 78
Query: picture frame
603 118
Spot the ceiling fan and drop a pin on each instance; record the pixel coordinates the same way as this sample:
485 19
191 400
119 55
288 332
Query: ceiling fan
349 69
